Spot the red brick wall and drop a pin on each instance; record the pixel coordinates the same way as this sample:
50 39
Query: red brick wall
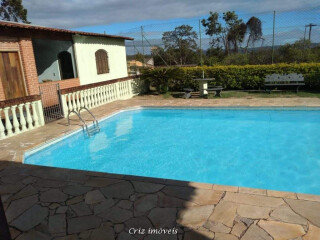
24 46
50 99
67 83
29 65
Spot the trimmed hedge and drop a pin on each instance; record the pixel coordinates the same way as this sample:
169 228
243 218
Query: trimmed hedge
231 77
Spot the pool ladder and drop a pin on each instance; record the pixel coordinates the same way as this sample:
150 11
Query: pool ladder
90 130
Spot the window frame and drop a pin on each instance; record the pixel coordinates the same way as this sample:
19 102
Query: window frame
102 61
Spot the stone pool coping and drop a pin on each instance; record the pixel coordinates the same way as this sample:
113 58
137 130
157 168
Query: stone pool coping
66 199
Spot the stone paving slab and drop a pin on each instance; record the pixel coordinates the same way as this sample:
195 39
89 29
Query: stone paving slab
51 203
82 212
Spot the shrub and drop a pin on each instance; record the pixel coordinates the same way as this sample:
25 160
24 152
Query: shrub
231 77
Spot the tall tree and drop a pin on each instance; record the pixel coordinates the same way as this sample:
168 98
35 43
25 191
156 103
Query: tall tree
13 10
180 43
231 33
214 29
235 29
254 29
228 35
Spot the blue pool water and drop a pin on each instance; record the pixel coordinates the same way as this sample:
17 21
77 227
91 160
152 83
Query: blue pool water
275 149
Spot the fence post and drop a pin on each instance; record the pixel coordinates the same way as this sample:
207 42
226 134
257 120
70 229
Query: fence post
142 35
201 63
274 23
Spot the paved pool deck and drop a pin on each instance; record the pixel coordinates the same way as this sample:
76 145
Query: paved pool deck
52 203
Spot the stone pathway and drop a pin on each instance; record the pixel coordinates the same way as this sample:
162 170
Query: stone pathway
51 203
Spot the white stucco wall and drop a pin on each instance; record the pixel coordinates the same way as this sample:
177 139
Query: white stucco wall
85 48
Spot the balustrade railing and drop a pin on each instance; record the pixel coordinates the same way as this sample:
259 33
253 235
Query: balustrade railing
97 94
20 115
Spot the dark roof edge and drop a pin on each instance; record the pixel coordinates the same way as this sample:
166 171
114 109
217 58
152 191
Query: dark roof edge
41 28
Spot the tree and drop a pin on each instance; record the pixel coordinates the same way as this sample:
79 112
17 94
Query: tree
231 33
216 31
254 27
235 29
228 36
13 10
180 44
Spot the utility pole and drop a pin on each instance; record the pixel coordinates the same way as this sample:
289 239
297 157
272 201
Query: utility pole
304 37
274 23
310 25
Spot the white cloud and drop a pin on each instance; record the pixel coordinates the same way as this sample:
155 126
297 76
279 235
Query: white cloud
78 13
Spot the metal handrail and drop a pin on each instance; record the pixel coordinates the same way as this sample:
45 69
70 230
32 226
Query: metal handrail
95 121
84 124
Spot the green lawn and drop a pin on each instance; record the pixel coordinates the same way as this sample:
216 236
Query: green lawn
254 94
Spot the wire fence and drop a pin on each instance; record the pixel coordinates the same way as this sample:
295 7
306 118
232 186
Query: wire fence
292 36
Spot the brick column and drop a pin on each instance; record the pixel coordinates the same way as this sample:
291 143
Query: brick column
29 65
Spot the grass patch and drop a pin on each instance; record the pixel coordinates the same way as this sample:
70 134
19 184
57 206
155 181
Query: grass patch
274 94
251 94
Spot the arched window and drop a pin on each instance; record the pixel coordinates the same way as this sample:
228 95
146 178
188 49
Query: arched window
102 61
65 65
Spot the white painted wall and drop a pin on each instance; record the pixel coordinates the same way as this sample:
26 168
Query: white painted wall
85 48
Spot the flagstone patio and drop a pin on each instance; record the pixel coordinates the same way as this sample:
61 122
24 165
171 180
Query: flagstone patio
52 203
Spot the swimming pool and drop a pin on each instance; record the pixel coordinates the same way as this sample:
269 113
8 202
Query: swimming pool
269 148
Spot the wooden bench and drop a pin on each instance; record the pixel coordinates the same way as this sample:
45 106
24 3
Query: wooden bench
216 89
277 80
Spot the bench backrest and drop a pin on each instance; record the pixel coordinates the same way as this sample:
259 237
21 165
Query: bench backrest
292 77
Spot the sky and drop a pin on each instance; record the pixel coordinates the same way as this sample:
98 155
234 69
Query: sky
120 17
115 16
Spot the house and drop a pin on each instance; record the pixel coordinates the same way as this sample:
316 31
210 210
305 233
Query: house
135 65
33 57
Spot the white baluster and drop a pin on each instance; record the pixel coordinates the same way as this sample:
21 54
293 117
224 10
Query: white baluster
29 119
119 89
101 95
35 115
85 98
111 92
107 93
93 97
78 100
89 98
7 123
98 96
104 88
74 101
2 134
130 82
22 119
15 120
39 110
70 107
81 99
116 87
